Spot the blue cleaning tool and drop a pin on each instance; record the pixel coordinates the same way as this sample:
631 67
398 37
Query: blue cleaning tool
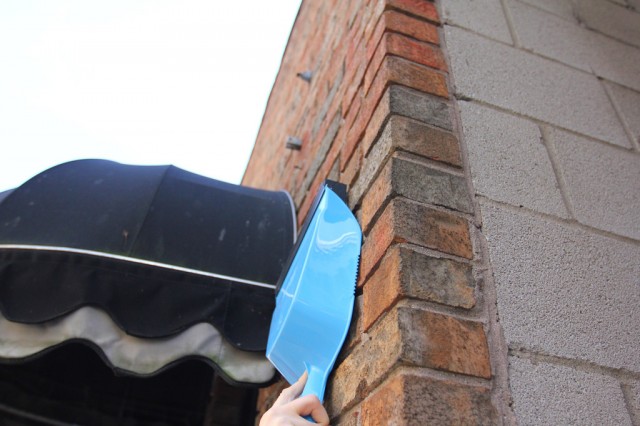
314 301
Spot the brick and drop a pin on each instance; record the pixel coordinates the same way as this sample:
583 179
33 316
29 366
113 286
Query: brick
481 16
423 140
404 24
352 169
406 73
407 135
602 182
558 395
394 22
420 8
408 221
564 291
419 106
405 272
509 163
536 87
396 99
355 66
408 336
267 396
409 399
356 117
404 47
415 181
403 134
351 418
320 155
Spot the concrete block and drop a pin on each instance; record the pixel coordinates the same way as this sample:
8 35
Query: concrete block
532 86
628 102
633 400
603 183
485 17
574 45
565 291
610 19
545 394
562 8
509 163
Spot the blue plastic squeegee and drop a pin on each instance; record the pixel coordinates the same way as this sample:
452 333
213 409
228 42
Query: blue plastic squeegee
314 303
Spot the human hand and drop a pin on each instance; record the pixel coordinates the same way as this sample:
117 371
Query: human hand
290 410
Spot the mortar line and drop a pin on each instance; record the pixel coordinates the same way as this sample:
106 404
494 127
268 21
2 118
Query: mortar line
483 272
539 55
572 223
635 144
557 170
424 161
472 315
571 20
634 412
512 29
620 374
539 122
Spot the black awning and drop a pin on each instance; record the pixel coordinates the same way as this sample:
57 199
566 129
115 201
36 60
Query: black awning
157 248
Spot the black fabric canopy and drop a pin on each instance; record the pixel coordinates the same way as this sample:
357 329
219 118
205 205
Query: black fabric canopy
156 247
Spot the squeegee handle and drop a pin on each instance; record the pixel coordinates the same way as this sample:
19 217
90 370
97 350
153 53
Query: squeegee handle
316 382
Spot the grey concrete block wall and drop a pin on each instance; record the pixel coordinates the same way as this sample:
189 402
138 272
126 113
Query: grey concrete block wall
559 395
602 183
509 161
550 124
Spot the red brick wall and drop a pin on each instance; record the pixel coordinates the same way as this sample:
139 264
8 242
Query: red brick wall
377 116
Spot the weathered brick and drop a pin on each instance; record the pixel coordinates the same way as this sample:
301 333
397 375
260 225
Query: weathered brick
352 168
401 23
267 396
419 106
412 136
353 122
405 134
405 272
393 21
421 8
407 221
408 336
409 103
406 73
319 157
351 418
416 181
404 47
409 399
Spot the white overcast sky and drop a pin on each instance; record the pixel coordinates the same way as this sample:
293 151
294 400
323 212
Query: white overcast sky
181 82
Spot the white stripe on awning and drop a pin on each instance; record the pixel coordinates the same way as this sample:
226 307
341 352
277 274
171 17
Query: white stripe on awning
135 260
133 354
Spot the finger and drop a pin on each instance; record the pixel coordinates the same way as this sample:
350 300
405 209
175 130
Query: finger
292 392
298 387
310 405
